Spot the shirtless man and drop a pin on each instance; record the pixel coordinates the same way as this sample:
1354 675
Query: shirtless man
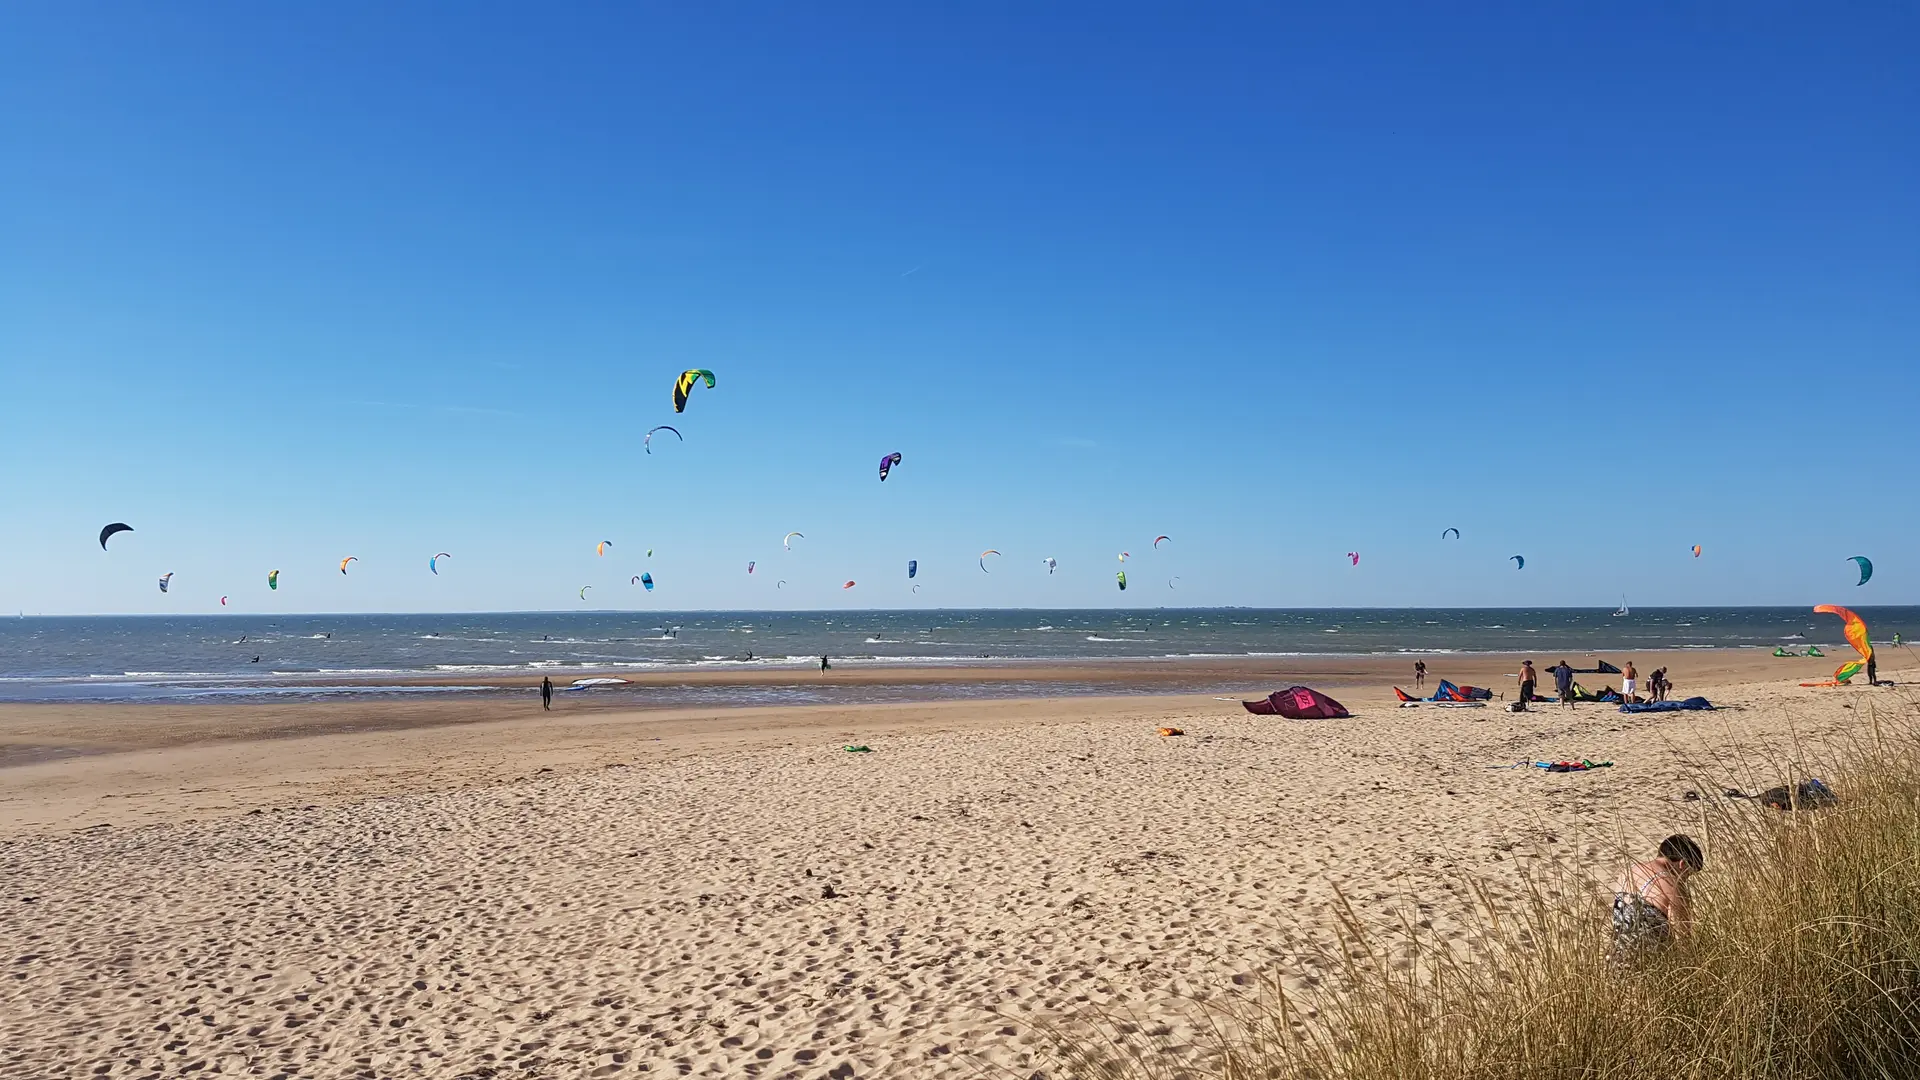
1627 678
1651 908
1528 680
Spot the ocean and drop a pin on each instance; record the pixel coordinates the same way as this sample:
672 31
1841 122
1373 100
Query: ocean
214 657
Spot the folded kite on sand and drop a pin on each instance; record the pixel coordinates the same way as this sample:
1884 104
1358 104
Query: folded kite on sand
1298 703
1692 704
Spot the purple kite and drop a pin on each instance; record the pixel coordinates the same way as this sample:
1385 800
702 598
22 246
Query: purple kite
887 463
1298 703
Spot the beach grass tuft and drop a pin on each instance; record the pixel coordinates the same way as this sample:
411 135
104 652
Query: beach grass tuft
1803 964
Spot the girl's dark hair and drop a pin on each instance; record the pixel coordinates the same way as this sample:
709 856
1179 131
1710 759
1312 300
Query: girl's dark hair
1680 848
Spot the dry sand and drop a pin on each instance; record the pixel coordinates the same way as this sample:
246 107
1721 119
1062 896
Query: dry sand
459 890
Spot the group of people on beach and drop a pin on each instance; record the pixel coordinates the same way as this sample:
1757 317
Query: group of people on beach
1658 685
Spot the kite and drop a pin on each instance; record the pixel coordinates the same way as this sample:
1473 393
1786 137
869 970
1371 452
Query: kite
916 588
1519 561
648 441
683 386
787 540
273 579
1696 551
433 564
1051 564
1125 555
848 585
345 561
649 553
116 527
634 580
887 463
646 579
749 567
583 591
781 584
1354 556
1159 539
1856 631
1122 575
983 559
602 547
223 601
1172 579
913 567
1856 628
165 580
1444 532
1866 568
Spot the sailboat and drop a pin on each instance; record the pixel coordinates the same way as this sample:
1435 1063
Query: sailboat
1623 607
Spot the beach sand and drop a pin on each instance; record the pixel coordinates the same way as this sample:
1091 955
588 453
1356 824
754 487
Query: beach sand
476 888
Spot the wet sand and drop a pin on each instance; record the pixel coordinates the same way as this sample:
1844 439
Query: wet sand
471 888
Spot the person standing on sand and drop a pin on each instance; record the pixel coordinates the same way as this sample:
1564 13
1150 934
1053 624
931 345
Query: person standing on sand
824 665
1419 674
1528 680
1563 683
1627 678
1651 908
546 693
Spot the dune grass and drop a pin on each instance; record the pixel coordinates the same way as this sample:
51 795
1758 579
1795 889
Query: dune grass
1804 963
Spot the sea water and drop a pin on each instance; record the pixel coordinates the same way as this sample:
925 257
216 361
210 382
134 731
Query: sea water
258 656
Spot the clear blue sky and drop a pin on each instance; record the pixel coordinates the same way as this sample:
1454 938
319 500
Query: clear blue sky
281 284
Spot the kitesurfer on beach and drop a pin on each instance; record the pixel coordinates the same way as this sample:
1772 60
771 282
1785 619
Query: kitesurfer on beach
1528 680
1419 674
546 693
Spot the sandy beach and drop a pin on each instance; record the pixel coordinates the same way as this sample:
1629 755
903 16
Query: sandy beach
476 888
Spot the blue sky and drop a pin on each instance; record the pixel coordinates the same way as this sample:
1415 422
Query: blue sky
279 286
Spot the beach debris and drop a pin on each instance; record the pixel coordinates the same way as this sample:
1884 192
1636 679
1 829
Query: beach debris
887 462
433 564
858 749
684 385
648 441
1865 564
828 893
345 561
1169 732
983 559
1806 795
1583 765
